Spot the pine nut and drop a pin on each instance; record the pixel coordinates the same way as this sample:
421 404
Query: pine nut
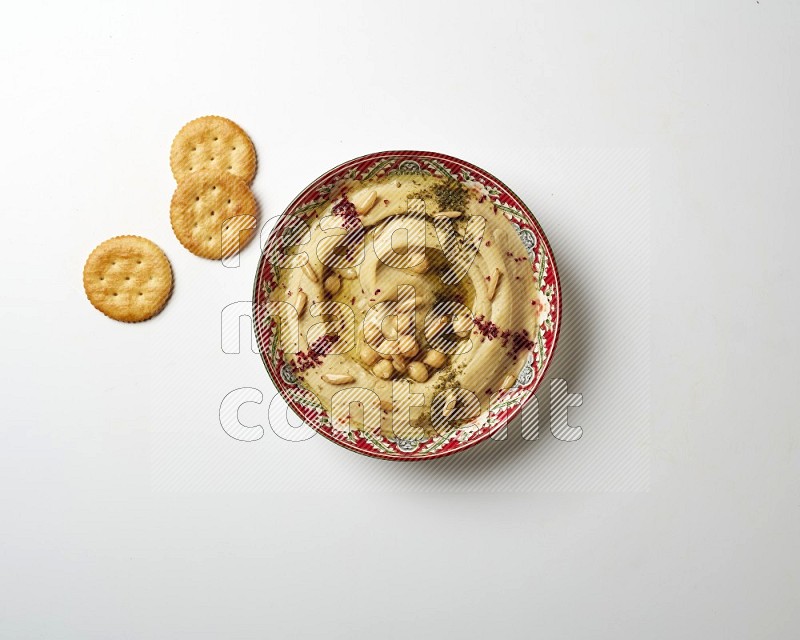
491 286
449 404
302 298
338 378
308 270
363 203
333 284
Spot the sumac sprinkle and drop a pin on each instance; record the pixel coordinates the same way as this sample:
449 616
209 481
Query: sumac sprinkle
521 342
486 327
315 354
517 342
347 211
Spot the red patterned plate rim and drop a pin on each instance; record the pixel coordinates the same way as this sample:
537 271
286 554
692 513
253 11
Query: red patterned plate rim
540 252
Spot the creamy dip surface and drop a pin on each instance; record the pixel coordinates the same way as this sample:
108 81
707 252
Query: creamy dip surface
413 304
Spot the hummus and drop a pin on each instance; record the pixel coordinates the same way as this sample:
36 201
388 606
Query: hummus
406 304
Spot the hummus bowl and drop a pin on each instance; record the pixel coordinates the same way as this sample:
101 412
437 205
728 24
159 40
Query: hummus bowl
407 305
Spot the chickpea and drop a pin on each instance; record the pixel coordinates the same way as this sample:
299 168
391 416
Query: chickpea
390 327
436 327
385 351
422 267
435 359
417 372
462 324
408 346
404 323
369 356
383 369
372 333
399 363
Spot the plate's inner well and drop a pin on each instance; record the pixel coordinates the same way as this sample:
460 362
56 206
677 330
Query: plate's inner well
405 308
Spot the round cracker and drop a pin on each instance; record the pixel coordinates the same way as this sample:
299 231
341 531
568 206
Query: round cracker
212 143
128 278
213 214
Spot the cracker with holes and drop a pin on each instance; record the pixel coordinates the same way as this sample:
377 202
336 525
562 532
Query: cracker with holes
212 143
213 214
128 278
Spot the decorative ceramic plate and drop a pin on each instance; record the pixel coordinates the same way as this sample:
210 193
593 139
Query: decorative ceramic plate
358 197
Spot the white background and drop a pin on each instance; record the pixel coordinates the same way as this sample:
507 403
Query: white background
657 144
